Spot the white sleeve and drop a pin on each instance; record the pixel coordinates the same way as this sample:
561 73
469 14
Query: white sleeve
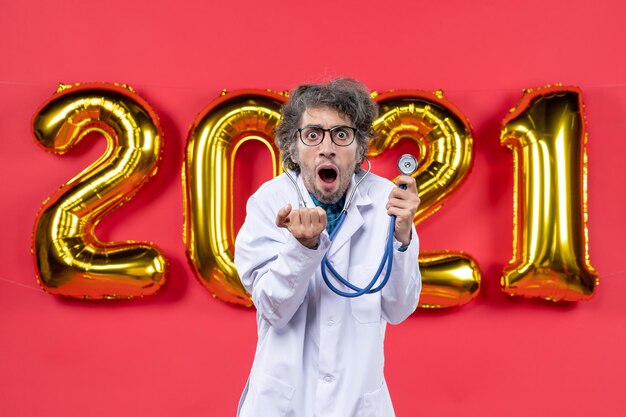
401 294
272 265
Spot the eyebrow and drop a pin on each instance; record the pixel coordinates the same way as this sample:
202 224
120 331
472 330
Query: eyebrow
332 127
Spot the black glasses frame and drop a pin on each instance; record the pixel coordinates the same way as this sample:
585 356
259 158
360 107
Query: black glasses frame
331 130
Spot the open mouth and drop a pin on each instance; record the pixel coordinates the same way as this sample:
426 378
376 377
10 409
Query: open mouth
327 175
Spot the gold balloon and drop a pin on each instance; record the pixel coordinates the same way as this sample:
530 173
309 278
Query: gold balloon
547 134
69 258
214 138
449 279
444 138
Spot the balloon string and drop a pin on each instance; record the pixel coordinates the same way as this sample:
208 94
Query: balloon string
19 284
458 90
612 274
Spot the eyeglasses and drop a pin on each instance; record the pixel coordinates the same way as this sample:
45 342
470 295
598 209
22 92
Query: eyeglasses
340 135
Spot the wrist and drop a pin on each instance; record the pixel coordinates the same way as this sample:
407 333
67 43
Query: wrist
311 243
405 240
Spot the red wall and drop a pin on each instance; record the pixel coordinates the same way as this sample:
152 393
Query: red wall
183 353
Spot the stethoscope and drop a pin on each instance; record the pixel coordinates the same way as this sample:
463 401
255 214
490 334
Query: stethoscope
407 164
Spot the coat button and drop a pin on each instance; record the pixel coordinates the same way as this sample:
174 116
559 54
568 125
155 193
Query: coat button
328 378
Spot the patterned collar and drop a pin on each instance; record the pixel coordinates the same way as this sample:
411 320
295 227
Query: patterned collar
333 211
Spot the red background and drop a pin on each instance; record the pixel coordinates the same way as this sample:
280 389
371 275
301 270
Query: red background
183 353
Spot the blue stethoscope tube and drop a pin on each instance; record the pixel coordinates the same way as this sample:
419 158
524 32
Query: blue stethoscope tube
407 165
386 260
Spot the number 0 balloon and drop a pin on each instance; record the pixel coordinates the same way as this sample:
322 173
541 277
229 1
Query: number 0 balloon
214 138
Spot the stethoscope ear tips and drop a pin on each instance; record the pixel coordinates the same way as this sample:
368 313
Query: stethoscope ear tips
407 164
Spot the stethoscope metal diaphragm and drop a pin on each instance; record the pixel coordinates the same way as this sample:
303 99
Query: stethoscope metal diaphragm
407 164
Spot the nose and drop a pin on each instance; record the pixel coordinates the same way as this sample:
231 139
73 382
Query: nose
327 147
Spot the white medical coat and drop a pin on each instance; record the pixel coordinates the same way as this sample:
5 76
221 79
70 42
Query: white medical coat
319 354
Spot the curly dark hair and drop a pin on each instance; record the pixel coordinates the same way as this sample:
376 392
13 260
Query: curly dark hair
348 97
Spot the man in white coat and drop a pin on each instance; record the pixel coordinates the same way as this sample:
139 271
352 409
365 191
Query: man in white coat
320 354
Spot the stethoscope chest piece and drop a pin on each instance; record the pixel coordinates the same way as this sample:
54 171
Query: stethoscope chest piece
407 164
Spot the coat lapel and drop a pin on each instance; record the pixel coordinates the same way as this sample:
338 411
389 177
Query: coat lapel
354 219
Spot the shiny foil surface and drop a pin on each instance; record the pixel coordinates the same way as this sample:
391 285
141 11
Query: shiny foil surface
547 134
70 260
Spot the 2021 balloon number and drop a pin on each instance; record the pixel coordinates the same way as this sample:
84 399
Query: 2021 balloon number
546 133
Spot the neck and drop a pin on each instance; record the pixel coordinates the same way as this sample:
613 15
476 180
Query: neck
319 203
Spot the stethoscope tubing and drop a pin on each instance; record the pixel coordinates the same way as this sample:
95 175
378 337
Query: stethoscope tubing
387 258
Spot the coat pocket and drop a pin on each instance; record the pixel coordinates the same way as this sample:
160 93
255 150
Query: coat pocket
371 404
267 396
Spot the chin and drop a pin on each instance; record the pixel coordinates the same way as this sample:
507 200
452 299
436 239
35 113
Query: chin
327 198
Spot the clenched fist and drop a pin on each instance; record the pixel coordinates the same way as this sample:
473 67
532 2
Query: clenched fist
305 224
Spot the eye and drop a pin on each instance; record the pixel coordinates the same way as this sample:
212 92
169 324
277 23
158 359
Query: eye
312 134
342 134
